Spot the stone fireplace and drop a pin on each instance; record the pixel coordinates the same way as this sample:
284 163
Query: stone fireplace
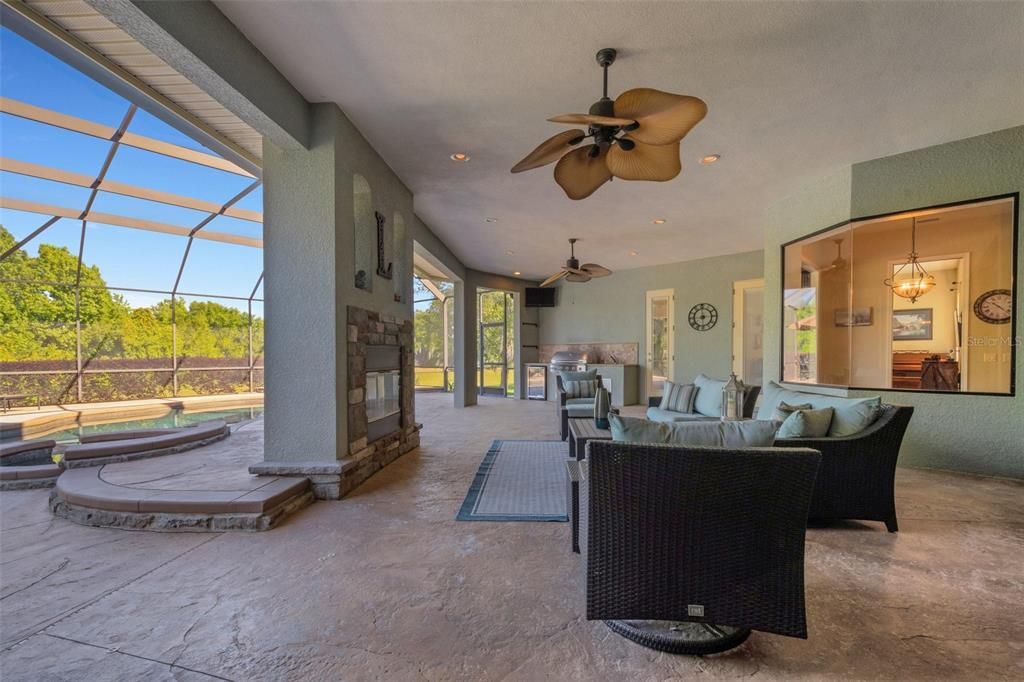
381 421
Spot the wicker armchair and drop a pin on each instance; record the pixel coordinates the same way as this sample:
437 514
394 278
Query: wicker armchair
857 475
563 407
688 549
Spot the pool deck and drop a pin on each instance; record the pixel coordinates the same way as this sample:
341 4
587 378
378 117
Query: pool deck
34 422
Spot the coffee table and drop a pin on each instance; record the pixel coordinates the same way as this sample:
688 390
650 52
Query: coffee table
581 431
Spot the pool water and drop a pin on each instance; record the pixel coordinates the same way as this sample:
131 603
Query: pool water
175 417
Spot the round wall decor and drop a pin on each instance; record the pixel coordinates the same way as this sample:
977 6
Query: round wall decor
703 317
994 307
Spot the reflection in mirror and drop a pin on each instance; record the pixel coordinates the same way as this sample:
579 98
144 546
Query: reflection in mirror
921 300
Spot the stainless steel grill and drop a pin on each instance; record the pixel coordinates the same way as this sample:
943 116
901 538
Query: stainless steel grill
569 361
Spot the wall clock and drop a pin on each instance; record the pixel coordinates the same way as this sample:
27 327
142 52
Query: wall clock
703 317
994 307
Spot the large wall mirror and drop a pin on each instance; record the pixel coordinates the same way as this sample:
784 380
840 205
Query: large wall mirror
921 301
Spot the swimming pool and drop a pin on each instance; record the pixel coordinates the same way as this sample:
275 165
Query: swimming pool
175 417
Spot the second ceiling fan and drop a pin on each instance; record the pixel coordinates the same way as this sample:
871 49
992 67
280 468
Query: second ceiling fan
572 271
635 137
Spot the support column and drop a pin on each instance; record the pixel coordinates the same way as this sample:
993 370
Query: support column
307 229
465 343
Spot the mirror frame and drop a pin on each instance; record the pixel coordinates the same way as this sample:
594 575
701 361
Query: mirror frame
1014 342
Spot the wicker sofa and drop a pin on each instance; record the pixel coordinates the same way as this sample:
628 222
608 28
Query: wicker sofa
856 479
710 537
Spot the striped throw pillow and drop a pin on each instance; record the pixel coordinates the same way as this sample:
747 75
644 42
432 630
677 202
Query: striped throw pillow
678 397
583 388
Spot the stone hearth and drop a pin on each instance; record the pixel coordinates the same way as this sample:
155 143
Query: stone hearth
368 333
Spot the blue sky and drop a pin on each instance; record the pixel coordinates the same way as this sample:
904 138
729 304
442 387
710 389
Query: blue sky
126 257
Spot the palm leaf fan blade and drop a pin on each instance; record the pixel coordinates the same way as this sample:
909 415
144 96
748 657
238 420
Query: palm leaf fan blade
656 163
579 173
663 117
549 151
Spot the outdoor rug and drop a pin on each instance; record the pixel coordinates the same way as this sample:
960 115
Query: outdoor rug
519 480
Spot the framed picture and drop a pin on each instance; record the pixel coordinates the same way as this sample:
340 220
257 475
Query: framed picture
912 325
855 317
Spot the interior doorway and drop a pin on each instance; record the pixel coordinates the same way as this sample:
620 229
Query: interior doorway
748 330
496 342
660 337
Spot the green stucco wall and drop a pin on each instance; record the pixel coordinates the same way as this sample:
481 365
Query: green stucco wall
977 434
612 309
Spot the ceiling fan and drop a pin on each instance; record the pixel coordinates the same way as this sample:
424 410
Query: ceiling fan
635 137
572 271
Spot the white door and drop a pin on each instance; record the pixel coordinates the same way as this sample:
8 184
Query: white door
748 330
660 339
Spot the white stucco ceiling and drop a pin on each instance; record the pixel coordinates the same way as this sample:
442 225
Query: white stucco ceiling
795 91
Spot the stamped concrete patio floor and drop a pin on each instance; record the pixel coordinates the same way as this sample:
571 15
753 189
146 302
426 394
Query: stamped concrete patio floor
387 585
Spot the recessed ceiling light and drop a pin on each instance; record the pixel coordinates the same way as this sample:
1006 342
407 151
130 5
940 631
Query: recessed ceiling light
490 220
710 159
459 156
517 273
633 253
658 221
509 252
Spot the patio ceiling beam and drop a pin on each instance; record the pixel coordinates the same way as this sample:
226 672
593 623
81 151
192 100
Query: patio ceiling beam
79 125
35 170
125 221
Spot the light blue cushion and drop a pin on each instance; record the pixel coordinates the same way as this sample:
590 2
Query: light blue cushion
709 396
589 375
580 411
714 433
656 414
807 423
580 401
851 414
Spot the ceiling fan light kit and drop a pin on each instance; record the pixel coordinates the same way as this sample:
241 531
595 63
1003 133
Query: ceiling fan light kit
635 137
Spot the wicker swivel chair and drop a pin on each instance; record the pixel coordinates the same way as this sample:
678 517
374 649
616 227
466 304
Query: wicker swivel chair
688 549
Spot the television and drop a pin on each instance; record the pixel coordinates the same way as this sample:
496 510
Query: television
539 297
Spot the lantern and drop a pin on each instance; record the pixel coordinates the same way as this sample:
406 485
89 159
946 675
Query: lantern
732 399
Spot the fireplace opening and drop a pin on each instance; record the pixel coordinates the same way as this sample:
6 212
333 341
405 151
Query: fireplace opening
383 394
383 391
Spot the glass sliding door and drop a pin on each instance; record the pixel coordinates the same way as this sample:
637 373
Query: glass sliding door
748 330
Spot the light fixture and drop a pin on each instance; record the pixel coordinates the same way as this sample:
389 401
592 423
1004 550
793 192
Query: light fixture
710 159
517 273
658 221
910 280
633 253
459 156
490 220
510 252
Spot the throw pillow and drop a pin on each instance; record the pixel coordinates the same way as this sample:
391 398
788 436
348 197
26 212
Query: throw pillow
783 411
580 389
728 434
709 396
678 397
807 424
